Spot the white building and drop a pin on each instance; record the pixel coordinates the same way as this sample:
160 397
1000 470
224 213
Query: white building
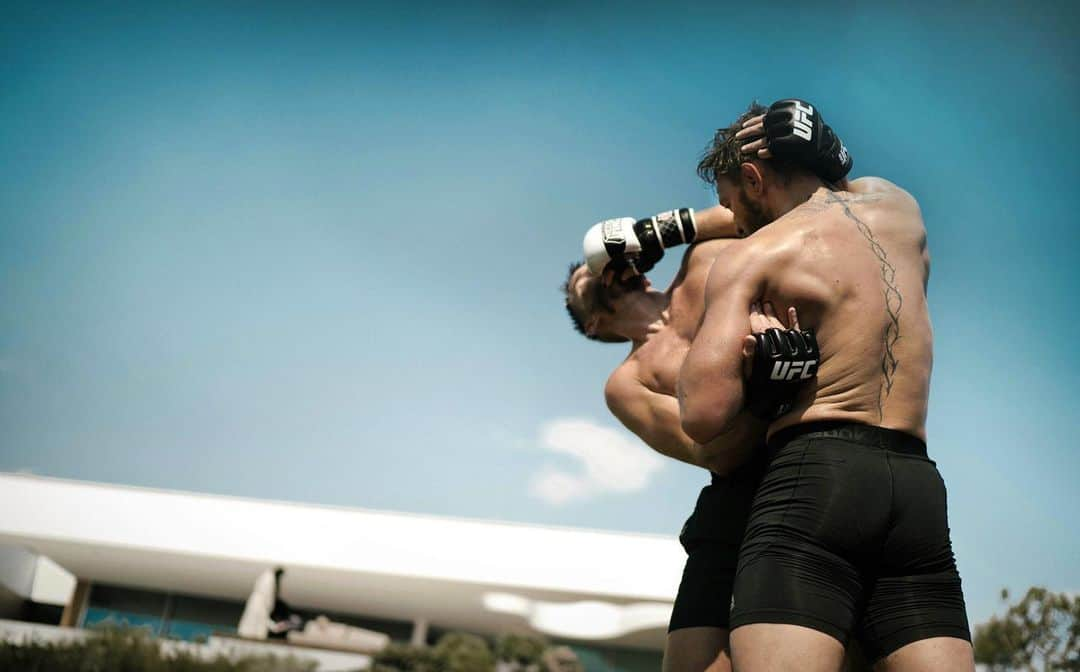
183 564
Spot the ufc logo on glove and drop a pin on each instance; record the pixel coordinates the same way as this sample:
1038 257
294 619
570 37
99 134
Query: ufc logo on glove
789 370
784 359
803 126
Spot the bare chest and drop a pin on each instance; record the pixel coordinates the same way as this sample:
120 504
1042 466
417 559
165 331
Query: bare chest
660 359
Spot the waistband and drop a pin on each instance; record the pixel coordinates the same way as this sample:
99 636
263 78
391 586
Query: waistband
867 435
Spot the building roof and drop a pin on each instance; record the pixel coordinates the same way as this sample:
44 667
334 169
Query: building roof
479 575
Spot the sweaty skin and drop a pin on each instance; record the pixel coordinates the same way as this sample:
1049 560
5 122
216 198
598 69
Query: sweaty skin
641 394
641 391
856 264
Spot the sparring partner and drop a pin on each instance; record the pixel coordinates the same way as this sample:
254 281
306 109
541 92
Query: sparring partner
622 307
641 394
848 534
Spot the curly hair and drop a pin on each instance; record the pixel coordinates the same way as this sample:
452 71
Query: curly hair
723 155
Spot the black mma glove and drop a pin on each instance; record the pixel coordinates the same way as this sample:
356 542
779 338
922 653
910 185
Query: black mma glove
795 131
783 360
652 248
655 234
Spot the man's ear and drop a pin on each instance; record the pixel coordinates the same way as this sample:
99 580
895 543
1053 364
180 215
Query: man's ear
752 179
592 325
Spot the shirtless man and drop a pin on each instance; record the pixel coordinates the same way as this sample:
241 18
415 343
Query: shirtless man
621 307
848 534
641 394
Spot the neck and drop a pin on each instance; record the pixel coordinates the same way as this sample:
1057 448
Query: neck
795 193
644 318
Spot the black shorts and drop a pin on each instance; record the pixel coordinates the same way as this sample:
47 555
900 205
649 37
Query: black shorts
848 535
711 538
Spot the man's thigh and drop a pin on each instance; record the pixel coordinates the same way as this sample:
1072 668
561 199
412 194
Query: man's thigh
781 647
697 650
936 653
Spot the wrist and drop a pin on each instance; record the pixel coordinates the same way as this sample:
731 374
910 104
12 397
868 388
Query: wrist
675 227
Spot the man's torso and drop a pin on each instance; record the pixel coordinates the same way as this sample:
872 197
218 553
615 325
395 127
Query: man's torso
657 361
857 272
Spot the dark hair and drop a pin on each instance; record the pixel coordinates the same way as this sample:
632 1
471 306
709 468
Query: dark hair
723 155
579 314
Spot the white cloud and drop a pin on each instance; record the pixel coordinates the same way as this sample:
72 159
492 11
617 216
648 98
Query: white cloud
612 461
559 487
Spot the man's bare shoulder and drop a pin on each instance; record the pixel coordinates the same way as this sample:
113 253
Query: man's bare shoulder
881 188
704 252
623 385
710 247
749 258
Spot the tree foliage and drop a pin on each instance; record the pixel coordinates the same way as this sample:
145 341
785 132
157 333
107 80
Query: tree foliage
461 652
521 649
465 653
129 650
1040 632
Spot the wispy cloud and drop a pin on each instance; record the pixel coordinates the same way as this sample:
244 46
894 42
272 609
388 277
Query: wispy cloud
610 460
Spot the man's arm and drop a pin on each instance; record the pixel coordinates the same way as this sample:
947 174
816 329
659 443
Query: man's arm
715 222
711 380
654 418
628 247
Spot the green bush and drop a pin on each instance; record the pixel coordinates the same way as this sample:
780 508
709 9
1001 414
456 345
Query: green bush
129 650
407 658
522 649
462 652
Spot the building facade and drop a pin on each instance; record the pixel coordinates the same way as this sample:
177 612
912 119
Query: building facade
182 565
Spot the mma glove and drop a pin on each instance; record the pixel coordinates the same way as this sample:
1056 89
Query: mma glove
624 243
784 359
795 131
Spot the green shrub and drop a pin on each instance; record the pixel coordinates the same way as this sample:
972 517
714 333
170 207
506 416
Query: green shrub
522 649
462 652
407 658
129 650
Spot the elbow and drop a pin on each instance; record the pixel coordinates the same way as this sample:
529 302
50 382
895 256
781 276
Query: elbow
702 427
703 424
696 428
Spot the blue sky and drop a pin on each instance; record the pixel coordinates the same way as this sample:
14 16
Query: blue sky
313 253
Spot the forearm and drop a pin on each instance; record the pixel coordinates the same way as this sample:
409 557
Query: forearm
663 434
715 222
709 404
711 385
685 451
653 417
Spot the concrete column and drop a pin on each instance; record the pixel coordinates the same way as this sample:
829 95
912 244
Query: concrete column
76 606
419 632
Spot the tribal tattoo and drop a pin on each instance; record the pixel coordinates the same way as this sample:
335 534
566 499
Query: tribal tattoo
893 302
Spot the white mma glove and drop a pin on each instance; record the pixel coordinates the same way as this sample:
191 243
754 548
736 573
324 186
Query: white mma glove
624 243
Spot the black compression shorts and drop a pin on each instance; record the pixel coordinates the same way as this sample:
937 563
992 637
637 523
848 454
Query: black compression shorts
848 535
711 538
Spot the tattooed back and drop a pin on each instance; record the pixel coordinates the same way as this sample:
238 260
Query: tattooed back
855 264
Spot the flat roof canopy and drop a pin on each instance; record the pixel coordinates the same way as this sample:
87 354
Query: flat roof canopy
475 575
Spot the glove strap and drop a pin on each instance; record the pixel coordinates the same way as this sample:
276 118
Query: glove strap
677 227
614 238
